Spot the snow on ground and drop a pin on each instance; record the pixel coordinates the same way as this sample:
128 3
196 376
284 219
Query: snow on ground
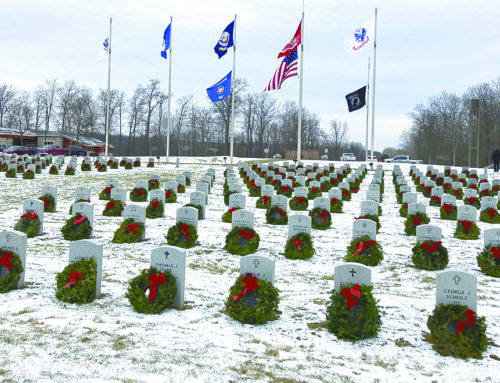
44 340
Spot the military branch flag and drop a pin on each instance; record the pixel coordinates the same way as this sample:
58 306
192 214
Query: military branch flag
104 50
166 42
357 99
225 40
287 69
294 42
360 37
220 90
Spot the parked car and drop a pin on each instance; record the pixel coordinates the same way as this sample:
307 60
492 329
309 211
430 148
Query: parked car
3 147
74 150
21 150
347 157
277 155
372 158
55 150
403 160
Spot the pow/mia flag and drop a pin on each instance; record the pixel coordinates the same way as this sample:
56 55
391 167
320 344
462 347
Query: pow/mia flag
357 99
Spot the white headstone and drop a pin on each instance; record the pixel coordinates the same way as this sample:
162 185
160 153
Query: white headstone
181 179
322 203
135 212
267 190
362 227
173 259
492 237
37 206
298 223
119 194
456 287
466 213
260 266
415 207
199 198
82 193
188 215
448 199
16 242
171 185
281 201
242 218
86 209
237 200
428 233
369 207
351 273
52 191
86 249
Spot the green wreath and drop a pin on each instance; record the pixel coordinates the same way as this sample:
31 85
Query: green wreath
373 218
77 282
69 171
85 167
49 203
435 201
170 196
181 189
263 202
354 187
29 226
298 203
313 193
489 261
137 164
427 191
370 255
227 193
105 194
447 213
336 205
351 318
346 195
150 165
447 339
254 307
74 232
227 217
276 216
28 175
403 210
3 166
164 291
473 231
113 165
285 190
325 186
254 191
9 281
197 207
426 259
53 170
185 238
188 182
102 168
473 201
414 220
321 219
113 208
139 195
458 193
153 184
242 241
129 234
490 216
156 211
299 246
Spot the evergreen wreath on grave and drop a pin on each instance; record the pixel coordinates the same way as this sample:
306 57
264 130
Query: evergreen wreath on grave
299 246
113 208
463 181
181 189
263 202
314 192
137 164
447 172
49 203
150 165
490 216
448 188
227 217
105 194
188 181
226 196
29 223
426 191
242 241
458 193
182 235
435 201
53 170
484 193
162 291
334 181
197 207
128 165
139 195
123 163
456 330
430 255
414 220
276 216
113 165
467 230
20 168
489 261
153 184
364 250
285 190
85 167
77 282
346 195
3 166
298 203
325 186
336 205
252 300
11 173
253 189
354 187
14 265
154 209
371 217
129 232
321 219
28 175
473 201
69 171
276 184
170 196
77 227
102 168
448 211
439 181
352 314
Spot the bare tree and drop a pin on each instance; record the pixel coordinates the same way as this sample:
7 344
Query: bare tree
48 94
64 99
265 114
7 96
338 134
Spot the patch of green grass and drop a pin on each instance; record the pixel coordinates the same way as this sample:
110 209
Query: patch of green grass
429 279
328 277
319 301
401 342
318 325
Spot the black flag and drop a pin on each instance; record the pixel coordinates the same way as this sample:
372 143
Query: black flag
357 99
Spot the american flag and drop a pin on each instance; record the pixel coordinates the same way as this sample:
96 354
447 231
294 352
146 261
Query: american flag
287 69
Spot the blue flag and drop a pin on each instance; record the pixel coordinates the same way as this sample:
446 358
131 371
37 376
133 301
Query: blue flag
225 41
166 42
220 90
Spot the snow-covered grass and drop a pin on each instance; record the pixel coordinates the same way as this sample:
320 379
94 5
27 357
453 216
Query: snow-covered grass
44 340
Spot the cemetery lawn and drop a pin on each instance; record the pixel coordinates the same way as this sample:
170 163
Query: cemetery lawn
43 339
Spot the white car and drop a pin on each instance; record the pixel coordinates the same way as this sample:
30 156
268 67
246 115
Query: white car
347 157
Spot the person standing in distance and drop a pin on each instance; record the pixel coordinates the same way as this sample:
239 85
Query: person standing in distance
496 159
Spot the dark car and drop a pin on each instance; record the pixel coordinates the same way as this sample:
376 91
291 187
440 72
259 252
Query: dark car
76 151
55 150
21 150
3 147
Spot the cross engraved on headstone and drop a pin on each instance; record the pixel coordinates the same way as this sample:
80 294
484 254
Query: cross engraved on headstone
132 209
457 279
31 203
353 272
8 236
256 263
166 254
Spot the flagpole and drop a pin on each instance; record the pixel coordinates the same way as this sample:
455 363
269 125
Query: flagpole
169 122
233 80
109 91
374 77
367 108
299 128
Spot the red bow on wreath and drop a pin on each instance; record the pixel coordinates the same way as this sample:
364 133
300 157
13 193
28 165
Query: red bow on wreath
495 252
132 227
467 225
471 317
323 215
355 190
139 192
334 200
447 207
168 193
363 245
79 220
485 192
345 192
155 204
456 192
471 200
432 249
232 209
30 215
45 203
250 285
5 261
350 295
185 230
280 211
265 199
111 204
436 198
416 220
300 200
297 243
74 278
153 182
491 212
246 234
285 188
252 184
155 279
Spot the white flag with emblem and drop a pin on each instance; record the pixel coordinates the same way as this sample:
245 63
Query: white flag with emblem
360 37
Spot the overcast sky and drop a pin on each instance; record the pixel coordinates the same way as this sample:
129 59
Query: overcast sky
423 47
